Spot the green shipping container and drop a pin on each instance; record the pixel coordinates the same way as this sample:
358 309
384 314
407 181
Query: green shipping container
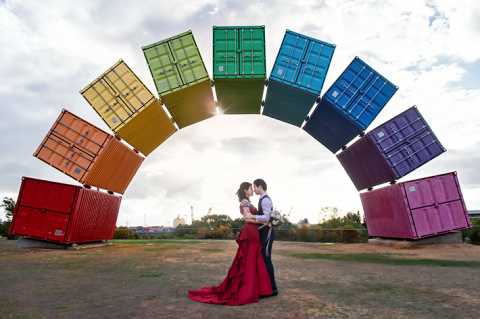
181 78
239 69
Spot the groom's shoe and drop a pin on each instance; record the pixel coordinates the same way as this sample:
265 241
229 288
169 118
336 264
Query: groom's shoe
274 293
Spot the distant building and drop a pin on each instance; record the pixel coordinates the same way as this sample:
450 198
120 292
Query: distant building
178 221
474 214
303 222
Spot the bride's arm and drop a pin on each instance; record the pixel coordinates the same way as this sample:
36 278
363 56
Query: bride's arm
248 217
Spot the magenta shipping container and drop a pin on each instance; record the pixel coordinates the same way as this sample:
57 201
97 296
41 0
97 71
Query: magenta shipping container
415 209
64 213
391 150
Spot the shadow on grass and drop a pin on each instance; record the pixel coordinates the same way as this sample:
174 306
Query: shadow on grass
151 274
388 259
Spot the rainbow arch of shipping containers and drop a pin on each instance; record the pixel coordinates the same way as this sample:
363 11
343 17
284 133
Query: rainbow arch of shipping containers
414 209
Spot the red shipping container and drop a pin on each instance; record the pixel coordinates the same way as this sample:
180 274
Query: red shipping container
64 213
415 209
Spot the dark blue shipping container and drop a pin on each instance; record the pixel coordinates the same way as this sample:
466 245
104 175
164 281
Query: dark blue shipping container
358 95
298 74
391 151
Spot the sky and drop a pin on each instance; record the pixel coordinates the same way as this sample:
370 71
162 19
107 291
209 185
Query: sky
52 49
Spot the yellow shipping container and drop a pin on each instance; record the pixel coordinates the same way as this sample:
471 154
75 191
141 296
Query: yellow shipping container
148 129
191 104
117 95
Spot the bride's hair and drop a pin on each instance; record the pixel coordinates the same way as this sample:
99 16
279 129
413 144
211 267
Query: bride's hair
241 190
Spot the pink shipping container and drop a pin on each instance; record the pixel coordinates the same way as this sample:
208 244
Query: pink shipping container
64 213
415 209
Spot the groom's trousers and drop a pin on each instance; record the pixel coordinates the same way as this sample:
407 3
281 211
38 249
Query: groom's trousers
267 254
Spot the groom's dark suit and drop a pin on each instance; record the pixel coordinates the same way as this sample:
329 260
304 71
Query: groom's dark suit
265 208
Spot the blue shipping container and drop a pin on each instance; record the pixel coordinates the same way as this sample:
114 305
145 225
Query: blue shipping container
297 77
349 106
360 93
391 150
302 62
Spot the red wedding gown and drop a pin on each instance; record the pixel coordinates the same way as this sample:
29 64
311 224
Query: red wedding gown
247 279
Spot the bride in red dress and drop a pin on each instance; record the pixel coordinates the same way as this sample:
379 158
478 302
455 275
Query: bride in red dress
247 279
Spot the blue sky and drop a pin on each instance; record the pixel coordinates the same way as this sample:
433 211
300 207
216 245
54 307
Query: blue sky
50 50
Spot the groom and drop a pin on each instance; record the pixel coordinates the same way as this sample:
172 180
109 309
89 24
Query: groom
267 234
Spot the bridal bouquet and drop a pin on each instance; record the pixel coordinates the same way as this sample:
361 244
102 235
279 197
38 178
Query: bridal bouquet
276 218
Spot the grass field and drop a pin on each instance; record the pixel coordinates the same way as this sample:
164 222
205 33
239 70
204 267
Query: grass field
150 279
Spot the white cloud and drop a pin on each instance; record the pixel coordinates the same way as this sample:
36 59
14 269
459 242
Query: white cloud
51 50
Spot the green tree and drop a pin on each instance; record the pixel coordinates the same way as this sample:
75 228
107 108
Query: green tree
214 221
8 205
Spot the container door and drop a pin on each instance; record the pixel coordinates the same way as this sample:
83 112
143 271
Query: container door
188 59
288 63
225 48
65 157
101 95
315 67
48 195
72 145
440 218
303 62
128 87
252 51
407 141
432 191
162 66
40 223
360 93
427 221
80 133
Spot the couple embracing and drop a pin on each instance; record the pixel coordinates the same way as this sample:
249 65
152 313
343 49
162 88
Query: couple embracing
251 274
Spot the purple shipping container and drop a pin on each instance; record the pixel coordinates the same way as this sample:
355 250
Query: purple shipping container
415 209
391 150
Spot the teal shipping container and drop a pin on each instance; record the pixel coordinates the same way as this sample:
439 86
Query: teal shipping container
297 77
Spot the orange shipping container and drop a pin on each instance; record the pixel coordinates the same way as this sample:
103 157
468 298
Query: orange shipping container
88 154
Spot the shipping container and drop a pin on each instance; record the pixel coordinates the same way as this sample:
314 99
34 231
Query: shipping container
88 154
416 209
287 103
239 52
358 96
114 168
302 62
63 213
192 104
239 69
175 63
391 150
181 78
150 128
117 95
240 96
298 75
